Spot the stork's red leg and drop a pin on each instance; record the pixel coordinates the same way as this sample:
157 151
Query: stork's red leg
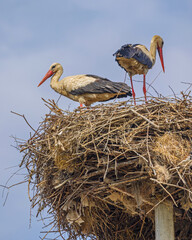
133 92
144 88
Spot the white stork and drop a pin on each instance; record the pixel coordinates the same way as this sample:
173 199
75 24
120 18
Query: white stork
137 59
85 89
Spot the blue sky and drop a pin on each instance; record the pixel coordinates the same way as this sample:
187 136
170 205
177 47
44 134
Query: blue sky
82 36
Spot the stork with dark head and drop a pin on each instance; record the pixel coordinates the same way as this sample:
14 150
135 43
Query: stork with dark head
137 59
85 89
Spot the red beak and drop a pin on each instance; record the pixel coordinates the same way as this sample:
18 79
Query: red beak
47 75
161 57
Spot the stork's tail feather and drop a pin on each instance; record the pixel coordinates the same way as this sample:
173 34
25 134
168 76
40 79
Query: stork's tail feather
122 89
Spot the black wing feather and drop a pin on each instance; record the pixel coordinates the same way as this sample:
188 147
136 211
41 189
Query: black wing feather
131 51
103 85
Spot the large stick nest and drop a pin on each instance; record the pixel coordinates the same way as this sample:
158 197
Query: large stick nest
100 172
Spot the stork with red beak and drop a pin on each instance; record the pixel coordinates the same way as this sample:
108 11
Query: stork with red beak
85 89
137 59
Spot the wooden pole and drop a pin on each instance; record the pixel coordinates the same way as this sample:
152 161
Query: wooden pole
164 225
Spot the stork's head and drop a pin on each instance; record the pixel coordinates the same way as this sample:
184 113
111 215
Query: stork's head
52 70
158 41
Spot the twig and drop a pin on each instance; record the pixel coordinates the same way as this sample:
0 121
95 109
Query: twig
23 116
165 190
146 119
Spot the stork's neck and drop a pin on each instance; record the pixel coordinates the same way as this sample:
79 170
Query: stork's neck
56 77
153 49
55 84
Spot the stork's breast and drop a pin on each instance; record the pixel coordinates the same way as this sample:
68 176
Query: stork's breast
132 66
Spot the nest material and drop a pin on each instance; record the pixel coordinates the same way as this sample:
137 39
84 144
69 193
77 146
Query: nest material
101 171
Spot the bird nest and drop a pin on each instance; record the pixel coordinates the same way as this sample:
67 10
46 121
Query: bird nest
101 172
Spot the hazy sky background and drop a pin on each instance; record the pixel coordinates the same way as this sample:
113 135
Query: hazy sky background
82 35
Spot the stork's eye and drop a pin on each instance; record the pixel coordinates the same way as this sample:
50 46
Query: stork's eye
53 67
